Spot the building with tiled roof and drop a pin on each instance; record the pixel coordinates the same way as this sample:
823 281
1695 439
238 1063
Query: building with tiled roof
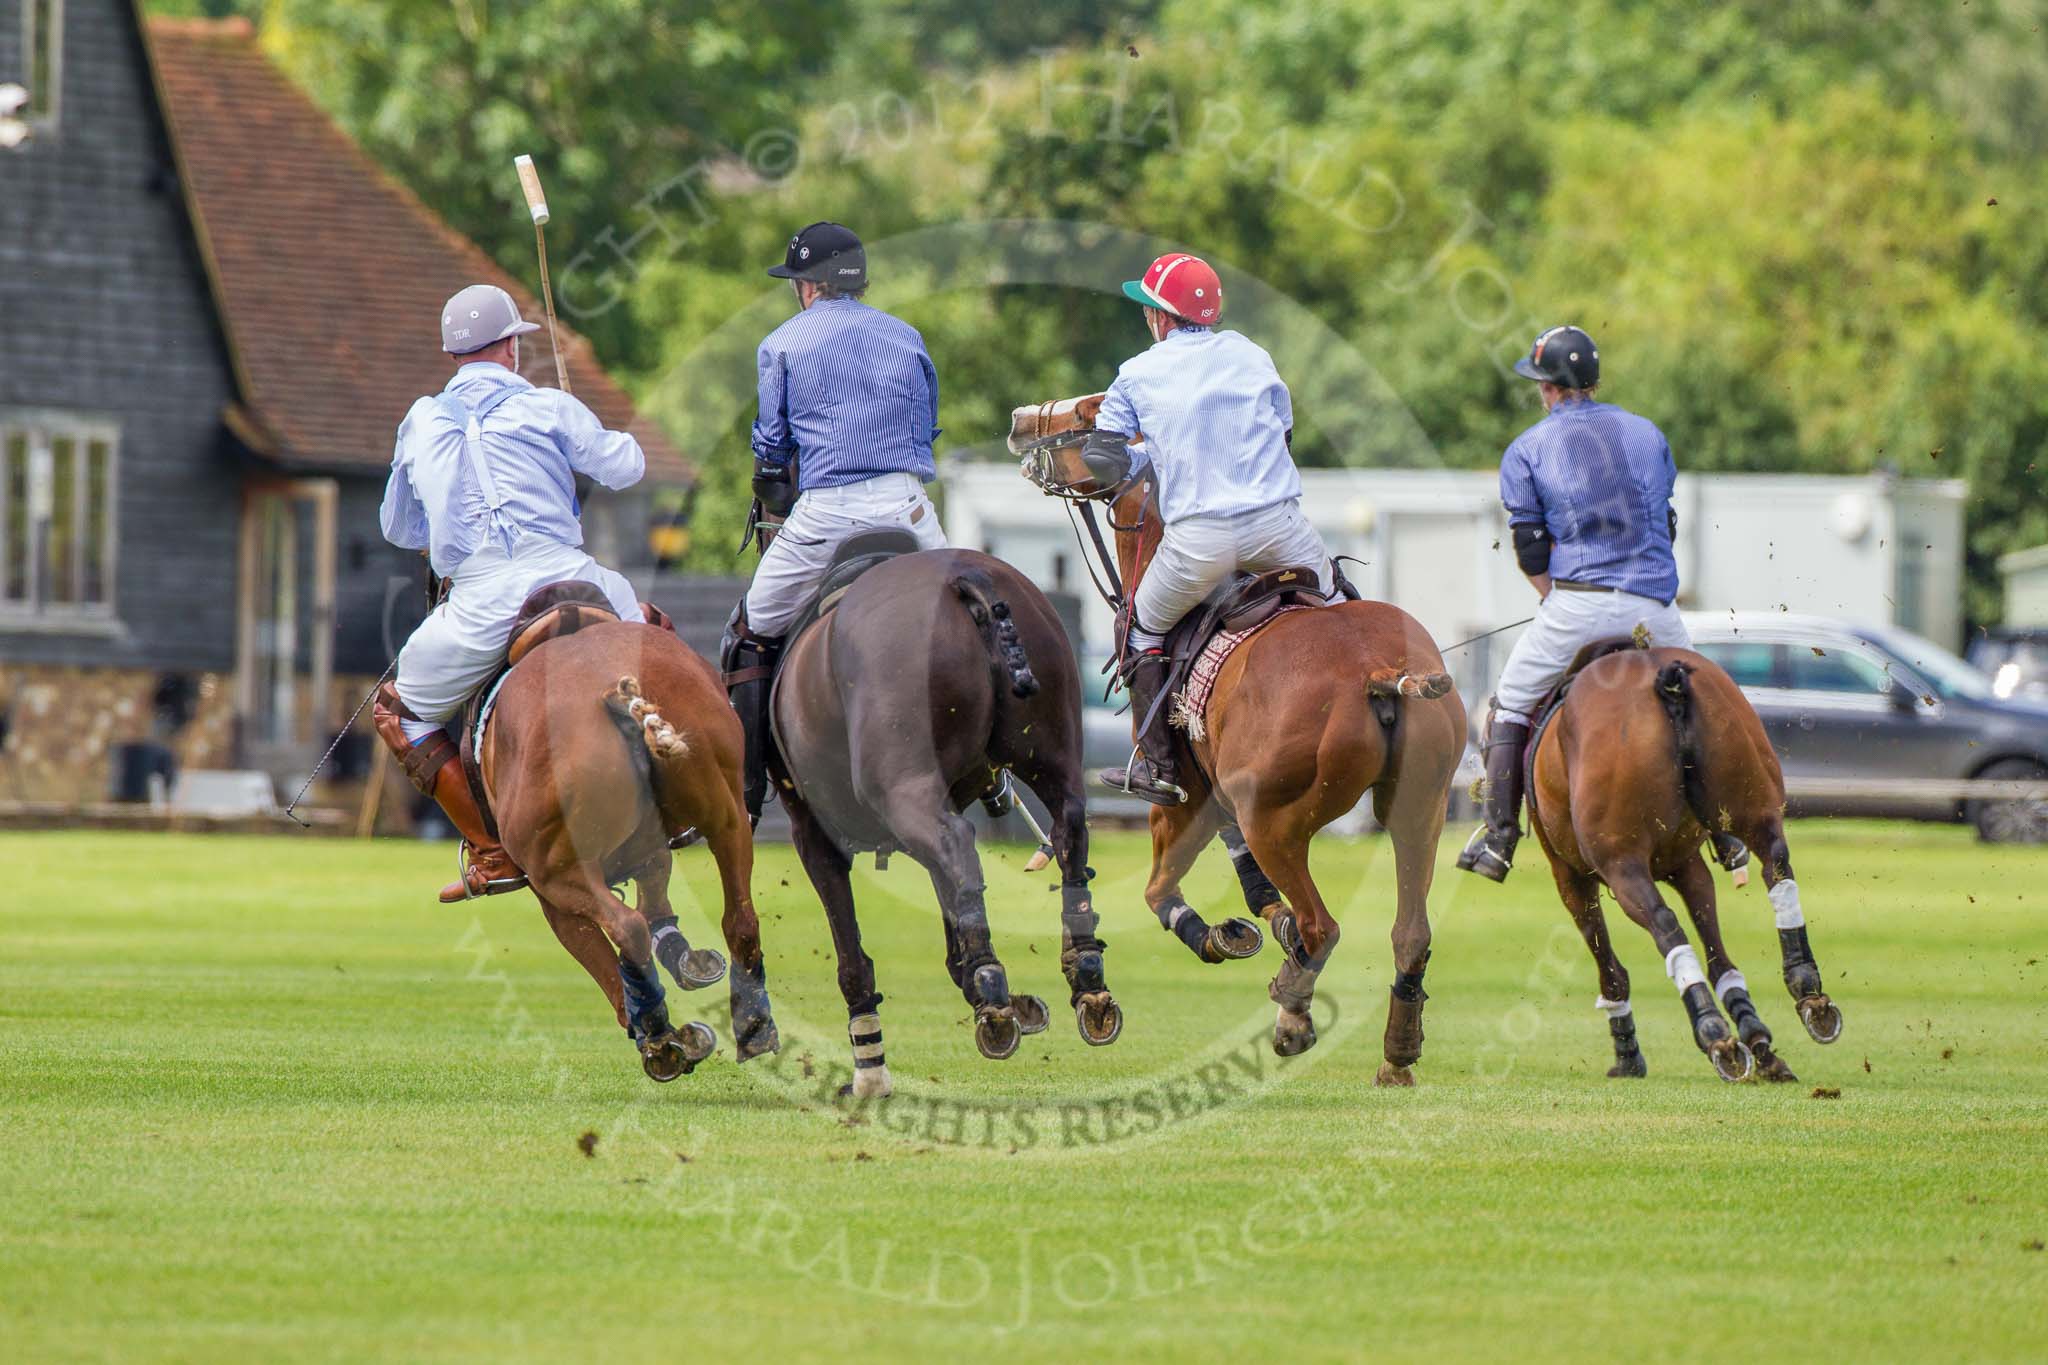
214 311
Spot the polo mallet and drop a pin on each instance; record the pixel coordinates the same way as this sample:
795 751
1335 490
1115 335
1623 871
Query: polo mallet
537 205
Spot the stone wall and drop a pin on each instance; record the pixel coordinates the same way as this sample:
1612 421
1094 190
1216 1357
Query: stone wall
66 722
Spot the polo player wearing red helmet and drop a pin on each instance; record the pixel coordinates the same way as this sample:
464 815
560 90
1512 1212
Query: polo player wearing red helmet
1217 423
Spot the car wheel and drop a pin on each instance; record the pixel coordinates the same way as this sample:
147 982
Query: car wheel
2012 822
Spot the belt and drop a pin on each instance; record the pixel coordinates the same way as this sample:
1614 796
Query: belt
1572 585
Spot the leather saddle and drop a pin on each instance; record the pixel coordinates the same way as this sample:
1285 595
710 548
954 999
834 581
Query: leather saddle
549 612
854 557
1243 601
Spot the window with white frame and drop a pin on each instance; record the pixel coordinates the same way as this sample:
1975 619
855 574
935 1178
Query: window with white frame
43 51
56 516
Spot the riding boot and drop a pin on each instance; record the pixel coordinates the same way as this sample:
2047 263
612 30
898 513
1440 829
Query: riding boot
748 663
1491 850
1155 776
435 769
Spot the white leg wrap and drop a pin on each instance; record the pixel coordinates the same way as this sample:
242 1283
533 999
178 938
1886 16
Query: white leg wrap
1785 900
1731 980
1682 965
873 1083
1614 1009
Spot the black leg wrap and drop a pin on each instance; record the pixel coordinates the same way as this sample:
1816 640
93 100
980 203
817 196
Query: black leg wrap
1189 927
1623 1031
1749 1025
1707 1024
670 947
1408 985
1259 891
1081 954
1802 974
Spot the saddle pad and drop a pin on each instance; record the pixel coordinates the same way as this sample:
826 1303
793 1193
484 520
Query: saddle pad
483 718
1191 703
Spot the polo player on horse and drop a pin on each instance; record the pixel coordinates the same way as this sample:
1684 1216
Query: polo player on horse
1217 424
484 479
849 408
1588 495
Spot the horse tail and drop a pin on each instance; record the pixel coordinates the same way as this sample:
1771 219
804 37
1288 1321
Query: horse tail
999 636
1393 682
645 728
1674 693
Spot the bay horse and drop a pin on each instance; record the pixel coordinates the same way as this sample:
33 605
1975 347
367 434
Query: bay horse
601 747
1648 753
931 675
1318 708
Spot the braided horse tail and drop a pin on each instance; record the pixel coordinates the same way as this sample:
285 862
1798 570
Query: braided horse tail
991 615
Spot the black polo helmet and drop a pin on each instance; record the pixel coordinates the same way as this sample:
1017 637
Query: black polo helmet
825 253
1564 356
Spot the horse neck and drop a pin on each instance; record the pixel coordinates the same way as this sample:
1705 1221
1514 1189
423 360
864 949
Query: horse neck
1135 548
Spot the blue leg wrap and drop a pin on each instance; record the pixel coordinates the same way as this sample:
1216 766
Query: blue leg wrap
643 992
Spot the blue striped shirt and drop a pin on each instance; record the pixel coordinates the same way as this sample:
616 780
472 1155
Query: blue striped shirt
850 392
535 441
1215 417
1600 479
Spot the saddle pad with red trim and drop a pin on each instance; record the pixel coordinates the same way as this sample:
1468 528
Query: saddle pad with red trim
1191 704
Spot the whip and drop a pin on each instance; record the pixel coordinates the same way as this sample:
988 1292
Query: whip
354 716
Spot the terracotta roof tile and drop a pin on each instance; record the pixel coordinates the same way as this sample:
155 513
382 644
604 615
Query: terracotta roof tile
329 274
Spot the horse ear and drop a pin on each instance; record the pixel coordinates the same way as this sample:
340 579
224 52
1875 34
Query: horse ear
1086 408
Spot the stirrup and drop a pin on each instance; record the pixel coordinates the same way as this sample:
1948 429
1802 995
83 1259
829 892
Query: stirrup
1158 792
493 887
686 838
1480 855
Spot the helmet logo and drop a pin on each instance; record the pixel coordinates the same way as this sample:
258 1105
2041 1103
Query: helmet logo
803 253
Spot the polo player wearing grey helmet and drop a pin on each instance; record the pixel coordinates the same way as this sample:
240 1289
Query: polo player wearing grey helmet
849 408
484 479
1588 495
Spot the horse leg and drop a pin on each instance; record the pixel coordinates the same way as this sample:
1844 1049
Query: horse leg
1415 827
920 815
692 968
1096 1013
1633 886
1695 886
588 945
1302 926
1823 1019
1581 895
1179 834
665 1052
830 870
732 848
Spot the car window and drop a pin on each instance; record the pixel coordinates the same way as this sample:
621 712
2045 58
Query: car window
1749 662
1815 669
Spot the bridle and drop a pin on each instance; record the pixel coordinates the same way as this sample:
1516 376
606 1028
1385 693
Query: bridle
1080 498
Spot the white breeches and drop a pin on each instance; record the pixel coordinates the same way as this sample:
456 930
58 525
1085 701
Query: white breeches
1565 623
1197 554
821 521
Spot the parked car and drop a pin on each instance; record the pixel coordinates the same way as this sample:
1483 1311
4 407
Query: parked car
2016 661
1874 720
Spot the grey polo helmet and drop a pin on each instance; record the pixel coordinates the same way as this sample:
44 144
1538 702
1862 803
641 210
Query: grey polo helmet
481 315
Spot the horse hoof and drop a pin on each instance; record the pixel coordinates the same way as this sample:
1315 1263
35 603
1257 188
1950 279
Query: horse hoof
1770 1066
1293 1034
1100 1018
1032 1014
997 1035
1732 1061
1232 940
1625 1068
700 967
990 987
869 1083
758 1041
674 1055
1389 1074
698 1040
1822 1019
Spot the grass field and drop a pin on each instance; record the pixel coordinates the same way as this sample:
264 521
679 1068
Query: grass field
263 1099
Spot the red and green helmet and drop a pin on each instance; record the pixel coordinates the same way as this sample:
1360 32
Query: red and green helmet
1181 284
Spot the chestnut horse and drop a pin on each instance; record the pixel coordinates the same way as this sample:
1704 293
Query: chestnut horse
1648 753
601 747
1312 712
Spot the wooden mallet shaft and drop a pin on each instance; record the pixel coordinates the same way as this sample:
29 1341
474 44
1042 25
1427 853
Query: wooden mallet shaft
537 205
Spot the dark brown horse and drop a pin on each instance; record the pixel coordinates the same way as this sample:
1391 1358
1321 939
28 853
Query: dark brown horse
1648 753
1306 717
935 673
601 747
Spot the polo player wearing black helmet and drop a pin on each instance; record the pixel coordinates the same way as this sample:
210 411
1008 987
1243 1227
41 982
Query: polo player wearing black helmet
1588 495
849 408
